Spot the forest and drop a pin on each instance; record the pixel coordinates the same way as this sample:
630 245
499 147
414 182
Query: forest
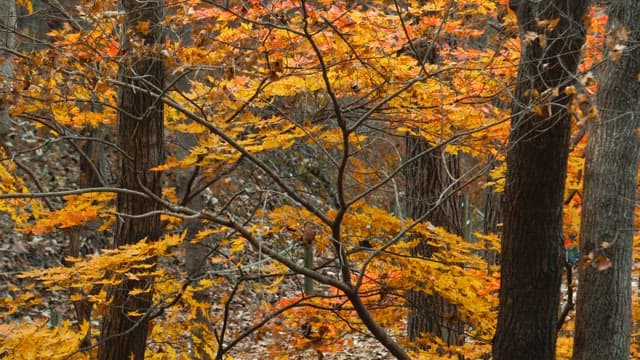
317 179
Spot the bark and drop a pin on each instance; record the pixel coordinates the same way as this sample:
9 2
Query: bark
426 181
140 135
8 19
492 221
603 313
531 255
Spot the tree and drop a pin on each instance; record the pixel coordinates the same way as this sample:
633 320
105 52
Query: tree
603 313
552 34
294 111
7 43
429 180
429 183
141 138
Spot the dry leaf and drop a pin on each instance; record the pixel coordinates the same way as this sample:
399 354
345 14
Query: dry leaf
308 235
529 36
570 90
616 52
602 263
623 34
586 260
547 25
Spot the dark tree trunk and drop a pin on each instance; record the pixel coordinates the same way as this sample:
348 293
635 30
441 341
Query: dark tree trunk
140 136
426 182
492 202
603 313
531 255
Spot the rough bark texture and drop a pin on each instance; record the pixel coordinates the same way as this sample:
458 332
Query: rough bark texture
7 41
536 160
426 182
603 313
140 135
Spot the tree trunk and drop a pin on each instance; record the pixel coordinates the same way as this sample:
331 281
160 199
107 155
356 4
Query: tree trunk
531 255
8 19
603 313
140 136
492 202
426 181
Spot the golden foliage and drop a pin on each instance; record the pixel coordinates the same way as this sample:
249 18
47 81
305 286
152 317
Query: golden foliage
321 95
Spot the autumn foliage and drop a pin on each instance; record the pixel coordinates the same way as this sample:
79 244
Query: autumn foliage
298 110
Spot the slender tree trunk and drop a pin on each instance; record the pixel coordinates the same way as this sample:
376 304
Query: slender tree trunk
196 254
8 19
426 181
603 313
140 136
552 34
492 202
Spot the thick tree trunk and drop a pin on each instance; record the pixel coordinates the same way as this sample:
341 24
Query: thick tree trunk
426 181
531 255
603 313
140 136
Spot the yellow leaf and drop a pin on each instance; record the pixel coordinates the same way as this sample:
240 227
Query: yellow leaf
270 143
139 291
570 90
171 162
26 4
143 26
237 245
75 297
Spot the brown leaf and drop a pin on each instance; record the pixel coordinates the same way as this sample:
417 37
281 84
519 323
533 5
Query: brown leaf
309 234
529 36
587 259
602 263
